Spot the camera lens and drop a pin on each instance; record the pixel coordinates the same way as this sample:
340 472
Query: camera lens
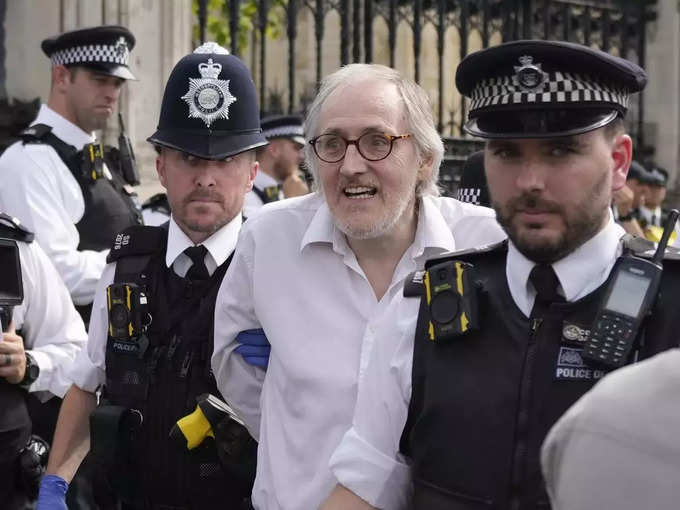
118 316
444 307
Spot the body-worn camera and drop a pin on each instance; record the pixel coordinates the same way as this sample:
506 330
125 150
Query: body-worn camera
128 311
92 162
452 299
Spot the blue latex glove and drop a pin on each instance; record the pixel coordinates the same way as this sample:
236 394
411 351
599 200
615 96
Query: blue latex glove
254 347
52 493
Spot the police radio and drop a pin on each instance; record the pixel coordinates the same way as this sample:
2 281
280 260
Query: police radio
452 298
92 161
628 299
128 311
128 162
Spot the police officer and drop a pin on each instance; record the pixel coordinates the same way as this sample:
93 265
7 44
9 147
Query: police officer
467 395
41 337
472 187
279 172
154 363
53 179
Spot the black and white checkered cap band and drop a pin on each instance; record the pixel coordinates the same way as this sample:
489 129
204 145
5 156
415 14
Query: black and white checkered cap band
283 131
559 88
469 195
93 53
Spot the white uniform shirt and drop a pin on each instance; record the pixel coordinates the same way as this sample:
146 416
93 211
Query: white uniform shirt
254 203
367 461
89 370
617 447
294 275
52 330
38 188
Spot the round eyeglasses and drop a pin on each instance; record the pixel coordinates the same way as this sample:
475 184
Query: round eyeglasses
372 146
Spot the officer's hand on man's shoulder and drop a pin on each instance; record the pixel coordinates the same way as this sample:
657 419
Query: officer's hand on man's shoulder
254 347
12 356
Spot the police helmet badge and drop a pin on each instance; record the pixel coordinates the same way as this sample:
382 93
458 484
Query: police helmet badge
530 76
121 48
208 97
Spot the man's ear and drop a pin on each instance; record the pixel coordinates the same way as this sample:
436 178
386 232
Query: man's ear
253 172
424 169
622 155
160 168
61 76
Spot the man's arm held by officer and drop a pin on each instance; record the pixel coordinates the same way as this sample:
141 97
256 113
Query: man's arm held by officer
342 498
72 436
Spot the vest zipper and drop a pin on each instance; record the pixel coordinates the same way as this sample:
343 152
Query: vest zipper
520 453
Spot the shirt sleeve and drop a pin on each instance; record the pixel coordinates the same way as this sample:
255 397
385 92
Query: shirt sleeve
367 460
32 192
89 370
52 329
239 382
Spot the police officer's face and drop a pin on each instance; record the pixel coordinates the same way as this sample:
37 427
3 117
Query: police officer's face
287 157
370 199
205 195
656 196
552 195
91 97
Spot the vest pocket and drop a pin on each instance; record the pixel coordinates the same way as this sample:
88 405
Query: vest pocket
428 496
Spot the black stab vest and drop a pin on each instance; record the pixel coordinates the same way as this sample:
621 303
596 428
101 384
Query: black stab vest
165 382
482 404
109 208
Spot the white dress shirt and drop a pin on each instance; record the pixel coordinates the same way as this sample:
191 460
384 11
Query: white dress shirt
89 370
52 330
617 447
39 189
367 461
254 203
294 275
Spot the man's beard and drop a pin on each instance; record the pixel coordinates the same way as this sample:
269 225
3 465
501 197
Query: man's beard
198 226
584 221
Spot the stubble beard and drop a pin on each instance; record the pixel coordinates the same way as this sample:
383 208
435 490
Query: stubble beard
580 225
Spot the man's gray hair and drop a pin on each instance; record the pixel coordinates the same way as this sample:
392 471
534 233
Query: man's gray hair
417 108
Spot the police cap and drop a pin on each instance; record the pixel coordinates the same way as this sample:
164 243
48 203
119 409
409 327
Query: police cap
534 89
656 176
209 107
105 49
473 188
637 172
283 126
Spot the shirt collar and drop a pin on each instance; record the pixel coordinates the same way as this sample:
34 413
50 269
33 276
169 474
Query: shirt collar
219 245
579 273
432 230
63 128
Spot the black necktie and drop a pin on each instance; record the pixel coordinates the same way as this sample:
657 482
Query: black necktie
545 282
197 271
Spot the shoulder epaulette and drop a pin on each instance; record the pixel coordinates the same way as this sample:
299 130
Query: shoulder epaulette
415 286
644 248
138 240
469 253
35 132
11 228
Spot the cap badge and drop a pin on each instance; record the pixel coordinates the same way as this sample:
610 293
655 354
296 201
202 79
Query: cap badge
208 97
529 75
121 47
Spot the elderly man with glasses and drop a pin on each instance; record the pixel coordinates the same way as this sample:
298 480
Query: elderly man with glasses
314 272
